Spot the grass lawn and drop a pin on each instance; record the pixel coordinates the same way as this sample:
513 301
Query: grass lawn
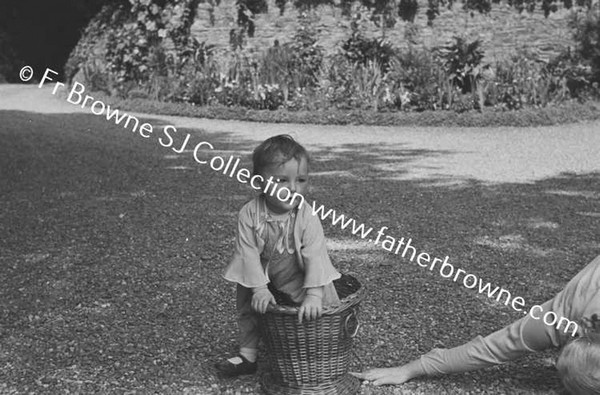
111 249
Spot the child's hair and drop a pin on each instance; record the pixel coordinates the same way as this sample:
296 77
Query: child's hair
277 150
579 362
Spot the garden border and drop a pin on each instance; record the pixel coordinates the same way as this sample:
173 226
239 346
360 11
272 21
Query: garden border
569 113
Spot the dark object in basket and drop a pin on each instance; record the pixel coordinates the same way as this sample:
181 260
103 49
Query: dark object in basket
345 286
312 357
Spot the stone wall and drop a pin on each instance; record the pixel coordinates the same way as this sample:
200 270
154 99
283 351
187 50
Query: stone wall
503 31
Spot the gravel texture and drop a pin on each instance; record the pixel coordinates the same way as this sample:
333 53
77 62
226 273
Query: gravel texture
111 249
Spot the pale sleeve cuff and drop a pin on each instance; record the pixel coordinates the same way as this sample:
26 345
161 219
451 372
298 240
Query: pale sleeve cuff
315 291
258 289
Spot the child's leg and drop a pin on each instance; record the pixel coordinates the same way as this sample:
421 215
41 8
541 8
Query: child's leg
249 333
245 362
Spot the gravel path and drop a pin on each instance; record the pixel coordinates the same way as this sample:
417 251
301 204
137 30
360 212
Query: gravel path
111 246
489 155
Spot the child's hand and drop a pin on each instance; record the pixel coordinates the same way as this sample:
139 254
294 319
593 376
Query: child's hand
311 308
261 299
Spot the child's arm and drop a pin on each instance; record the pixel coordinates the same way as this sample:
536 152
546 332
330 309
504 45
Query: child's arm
245 267
318 269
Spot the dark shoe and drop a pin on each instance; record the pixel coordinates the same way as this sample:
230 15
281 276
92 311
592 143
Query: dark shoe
229 369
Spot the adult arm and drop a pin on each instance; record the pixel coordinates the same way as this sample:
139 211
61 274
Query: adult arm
506 344
501 346
579 298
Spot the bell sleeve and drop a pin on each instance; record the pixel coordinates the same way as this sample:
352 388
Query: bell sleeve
245 267
318 269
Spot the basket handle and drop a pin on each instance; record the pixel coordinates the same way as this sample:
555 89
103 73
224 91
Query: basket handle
351 333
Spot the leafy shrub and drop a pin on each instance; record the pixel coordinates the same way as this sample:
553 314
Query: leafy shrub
575 75
276 63
460 60
269 97
335 87
197 82
369 84
307 55
551 115
133 45
147 52
415 80
294 65
462 103
345 85
362 50
586 32
231 94
88 57
237 80
526 81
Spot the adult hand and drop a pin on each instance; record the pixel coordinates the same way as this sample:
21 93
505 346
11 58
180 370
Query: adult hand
261 300
311 308
396 375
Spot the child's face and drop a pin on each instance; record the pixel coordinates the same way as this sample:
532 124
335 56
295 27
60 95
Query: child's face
292 175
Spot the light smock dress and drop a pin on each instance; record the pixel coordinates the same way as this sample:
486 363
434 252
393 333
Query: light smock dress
288 250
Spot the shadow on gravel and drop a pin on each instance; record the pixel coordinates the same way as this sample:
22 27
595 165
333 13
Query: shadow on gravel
111 249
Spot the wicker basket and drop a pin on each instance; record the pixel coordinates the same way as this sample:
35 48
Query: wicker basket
312 357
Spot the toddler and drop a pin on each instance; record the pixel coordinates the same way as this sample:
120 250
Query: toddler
578 364
279 241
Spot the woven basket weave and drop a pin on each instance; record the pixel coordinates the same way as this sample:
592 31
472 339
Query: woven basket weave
312 357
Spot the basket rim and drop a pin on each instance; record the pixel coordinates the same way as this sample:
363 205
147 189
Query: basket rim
345 303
